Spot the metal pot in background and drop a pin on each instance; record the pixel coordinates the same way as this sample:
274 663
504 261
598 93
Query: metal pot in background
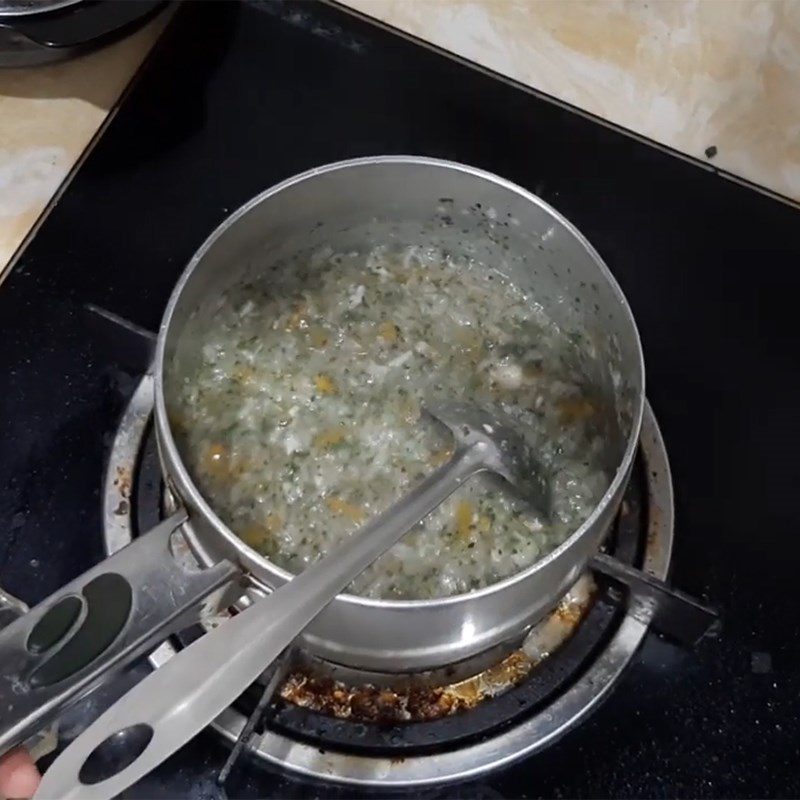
36 32
136 598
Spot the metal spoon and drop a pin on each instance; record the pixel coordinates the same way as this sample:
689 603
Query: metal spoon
183 696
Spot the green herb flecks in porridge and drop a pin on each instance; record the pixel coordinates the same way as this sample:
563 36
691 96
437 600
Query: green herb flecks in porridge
302 418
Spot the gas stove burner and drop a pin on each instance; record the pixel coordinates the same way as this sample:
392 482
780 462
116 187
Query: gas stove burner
348 726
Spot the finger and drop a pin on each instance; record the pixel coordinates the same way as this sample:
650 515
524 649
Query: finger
19 777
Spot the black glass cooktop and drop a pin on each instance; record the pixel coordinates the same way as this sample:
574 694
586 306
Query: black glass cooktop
241 95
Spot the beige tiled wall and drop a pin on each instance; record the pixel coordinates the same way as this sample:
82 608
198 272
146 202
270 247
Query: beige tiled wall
690 74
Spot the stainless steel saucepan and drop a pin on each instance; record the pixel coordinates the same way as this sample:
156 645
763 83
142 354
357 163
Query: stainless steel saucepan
127 604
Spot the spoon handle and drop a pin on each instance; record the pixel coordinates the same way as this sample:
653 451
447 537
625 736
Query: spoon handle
182 697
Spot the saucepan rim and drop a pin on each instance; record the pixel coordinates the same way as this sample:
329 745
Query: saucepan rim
192 496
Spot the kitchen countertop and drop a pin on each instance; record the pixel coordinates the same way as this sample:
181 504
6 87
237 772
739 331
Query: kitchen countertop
717 80
48 116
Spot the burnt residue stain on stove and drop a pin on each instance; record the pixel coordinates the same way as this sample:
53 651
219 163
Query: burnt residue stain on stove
123 482
373 704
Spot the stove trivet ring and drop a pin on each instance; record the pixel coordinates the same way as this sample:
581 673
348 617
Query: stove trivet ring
471 760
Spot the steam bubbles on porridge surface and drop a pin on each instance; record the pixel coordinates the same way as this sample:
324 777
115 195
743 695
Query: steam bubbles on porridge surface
299 416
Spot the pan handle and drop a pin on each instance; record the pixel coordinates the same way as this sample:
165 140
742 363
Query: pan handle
174 703
100 622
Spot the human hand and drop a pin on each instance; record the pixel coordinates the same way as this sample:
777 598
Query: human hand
19 777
